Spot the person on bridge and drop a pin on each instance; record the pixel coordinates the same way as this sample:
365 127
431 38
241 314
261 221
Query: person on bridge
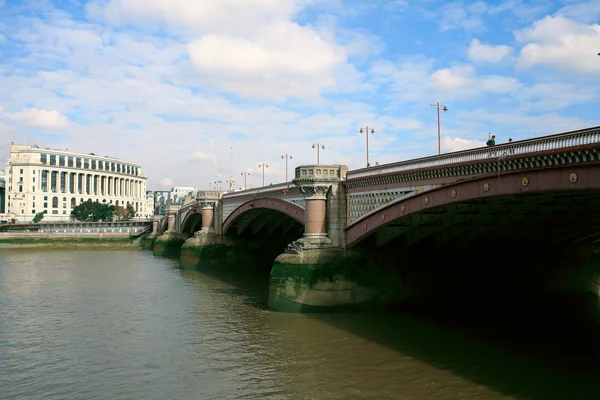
492 141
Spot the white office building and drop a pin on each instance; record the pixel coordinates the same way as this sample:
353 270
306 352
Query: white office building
55 181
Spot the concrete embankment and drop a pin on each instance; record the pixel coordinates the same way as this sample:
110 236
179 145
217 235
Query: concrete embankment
62 239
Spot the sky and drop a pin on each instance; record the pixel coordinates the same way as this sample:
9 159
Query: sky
197 90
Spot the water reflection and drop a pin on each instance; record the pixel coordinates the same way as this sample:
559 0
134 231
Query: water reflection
122 324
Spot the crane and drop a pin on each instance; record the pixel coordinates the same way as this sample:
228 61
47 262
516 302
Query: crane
217 170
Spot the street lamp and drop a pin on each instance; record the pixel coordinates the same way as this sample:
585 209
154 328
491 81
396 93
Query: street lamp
286 156
438 105
367 136
318 146
263 166
245 174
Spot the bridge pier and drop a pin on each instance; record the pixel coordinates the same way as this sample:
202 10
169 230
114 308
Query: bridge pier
314 273
169 243
207 249
147 242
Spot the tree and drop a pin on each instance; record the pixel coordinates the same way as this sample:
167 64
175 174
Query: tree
38 217
90 211
121 213
131 211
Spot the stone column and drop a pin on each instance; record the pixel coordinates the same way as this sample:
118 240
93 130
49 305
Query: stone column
315 197
208 209
315 182
170 222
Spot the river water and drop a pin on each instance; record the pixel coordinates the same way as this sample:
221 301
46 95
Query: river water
122 324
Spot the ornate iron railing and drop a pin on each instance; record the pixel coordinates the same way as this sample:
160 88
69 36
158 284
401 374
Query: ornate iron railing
529 146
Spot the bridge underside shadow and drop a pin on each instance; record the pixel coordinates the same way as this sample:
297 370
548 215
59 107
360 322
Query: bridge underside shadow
502 245
264 233
549 218
524 270
247 248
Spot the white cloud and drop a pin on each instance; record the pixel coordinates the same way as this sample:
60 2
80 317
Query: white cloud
586 11
41 118
453 77
238 17
544 95
482 52
166 182
450 144
199 156
285 60
249 47
497 84
561 43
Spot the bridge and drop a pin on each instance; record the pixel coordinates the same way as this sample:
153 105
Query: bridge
537 197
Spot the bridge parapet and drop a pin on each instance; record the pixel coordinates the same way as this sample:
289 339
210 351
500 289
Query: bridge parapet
561 141
373 188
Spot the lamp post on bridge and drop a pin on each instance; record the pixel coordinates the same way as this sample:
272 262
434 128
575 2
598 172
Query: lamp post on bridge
318 146
438 105
286 156
263 166
367 136
245 174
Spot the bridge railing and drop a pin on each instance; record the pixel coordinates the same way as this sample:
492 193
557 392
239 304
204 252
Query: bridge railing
280 187
529 146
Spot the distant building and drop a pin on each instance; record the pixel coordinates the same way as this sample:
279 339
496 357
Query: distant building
2 193
55 181
178 193
169 201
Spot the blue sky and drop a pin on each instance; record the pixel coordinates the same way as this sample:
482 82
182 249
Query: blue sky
164 82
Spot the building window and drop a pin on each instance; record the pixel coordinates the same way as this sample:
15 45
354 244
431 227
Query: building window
33 188
52 159
55 202
45 204
21 179
44 159
61 161
69 161
21 171
33 211
78 162
73 202
54 211
34 179
34 204
53 179
101 165
63 181
86 163
72 183
44 181
64 211
21 188
93 164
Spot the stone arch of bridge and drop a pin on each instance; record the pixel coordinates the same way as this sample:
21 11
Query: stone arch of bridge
542 202
192 221
265 213
163 224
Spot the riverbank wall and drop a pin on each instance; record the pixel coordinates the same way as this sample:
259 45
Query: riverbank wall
67 239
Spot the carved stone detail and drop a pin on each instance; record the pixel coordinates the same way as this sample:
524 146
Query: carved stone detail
315 192
205 204
314 181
